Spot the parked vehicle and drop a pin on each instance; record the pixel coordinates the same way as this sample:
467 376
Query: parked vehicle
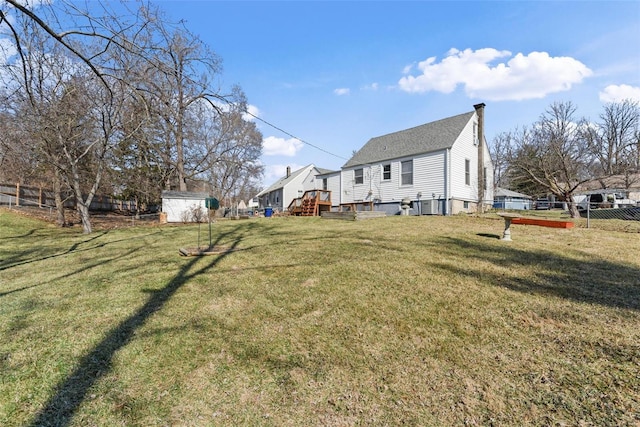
603 200
542 204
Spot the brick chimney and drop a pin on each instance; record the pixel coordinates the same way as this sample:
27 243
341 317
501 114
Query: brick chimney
481 178
288 171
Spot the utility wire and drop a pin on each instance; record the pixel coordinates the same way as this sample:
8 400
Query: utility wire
293 136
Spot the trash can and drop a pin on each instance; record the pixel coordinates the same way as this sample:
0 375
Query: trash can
268 212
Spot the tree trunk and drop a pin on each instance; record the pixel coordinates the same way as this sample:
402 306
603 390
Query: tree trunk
82 205
573 208
57 196
85 218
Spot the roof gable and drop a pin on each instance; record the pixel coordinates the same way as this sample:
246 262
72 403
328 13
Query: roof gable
426 138
282 182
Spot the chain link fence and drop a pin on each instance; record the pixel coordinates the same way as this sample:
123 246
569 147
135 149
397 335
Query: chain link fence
607 211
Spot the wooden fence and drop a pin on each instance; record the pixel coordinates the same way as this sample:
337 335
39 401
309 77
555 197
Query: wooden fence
22 195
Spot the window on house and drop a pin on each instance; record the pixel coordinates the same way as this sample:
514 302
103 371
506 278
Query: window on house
324 184
406 173
359 176
465 205
386 172
467 171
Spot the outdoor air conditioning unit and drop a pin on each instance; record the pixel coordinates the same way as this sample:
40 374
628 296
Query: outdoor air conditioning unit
429 207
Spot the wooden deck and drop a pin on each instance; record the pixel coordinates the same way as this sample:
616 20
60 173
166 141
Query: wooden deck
312 203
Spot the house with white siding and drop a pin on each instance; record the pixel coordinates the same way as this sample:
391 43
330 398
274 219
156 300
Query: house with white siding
293 185
330 180
508 199
443 167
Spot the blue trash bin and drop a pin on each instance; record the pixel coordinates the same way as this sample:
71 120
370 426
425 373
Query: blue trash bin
268 212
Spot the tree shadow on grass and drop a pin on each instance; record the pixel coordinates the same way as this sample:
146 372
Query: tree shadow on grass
36 254
72 249
71 392
590 280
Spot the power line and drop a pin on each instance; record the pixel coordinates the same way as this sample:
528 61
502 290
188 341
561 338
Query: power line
293 136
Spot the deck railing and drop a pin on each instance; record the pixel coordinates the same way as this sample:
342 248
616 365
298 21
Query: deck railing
320 197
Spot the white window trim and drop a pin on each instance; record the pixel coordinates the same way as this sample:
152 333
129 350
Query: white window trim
382 167
355 177
467 172
412 173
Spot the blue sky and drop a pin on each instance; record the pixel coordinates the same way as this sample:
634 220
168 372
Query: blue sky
336 74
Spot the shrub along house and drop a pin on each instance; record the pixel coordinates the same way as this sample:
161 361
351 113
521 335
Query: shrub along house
442 167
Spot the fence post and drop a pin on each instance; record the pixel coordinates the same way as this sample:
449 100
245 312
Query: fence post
588 208
40 197
17 194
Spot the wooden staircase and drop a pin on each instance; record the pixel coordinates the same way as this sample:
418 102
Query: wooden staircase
309 207
312 203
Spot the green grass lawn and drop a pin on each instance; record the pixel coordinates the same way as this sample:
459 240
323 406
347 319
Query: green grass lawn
311 322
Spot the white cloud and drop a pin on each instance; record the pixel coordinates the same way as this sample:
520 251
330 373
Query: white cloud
252 111
522 77
618 93
372 86
341 91
281 147
407 69
272 173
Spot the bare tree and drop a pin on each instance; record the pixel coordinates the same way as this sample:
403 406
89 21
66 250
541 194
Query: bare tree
615 141
179 78
553 156
72 114
32 83
232 154
500 154
122 89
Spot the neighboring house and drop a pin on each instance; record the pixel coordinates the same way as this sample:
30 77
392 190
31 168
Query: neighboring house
330 180
180 206
507 199
443 167
293 185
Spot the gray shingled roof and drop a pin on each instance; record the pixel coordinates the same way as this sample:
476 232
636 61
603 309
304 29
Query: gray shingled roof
183 195
426 138
323 171
283 181
503 192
